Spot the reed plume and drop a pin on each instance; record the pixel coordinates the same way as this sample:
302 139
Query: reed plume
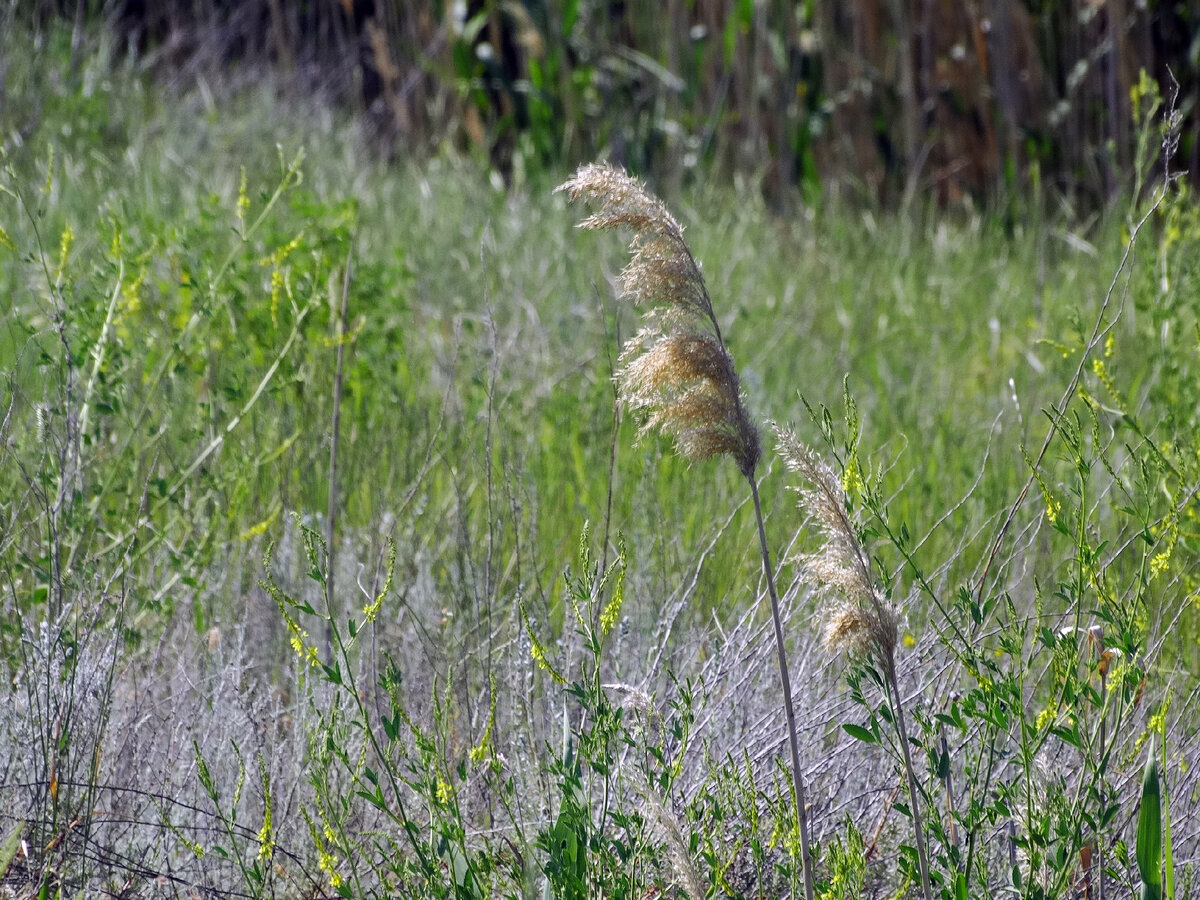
678 371
862 623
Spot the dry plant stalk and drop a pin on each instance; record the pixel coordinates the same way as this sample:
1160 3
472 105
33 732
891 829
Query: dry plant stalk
862 623
678 370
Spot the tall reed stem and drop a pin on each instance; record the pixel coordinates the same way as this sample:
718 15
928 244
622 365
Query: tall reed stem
788 712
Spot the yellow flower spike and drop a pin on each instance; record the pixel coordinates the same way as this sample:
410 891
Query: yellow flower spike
371 610
612 609
65 242
243 202
266 840
277 285
537 651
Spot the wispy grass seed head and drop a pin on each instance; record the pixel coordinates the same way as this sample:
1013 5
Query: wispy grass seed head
677 368
861 621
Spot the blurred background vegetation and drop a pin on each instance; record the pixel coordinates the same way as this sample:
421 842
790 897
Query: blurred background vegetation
880 100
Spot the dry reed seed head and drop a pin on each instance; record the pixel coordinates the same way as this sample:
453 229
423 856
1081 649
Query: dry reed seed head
858 629
687 879
677 367
689 384
888 620
675 361
703 423
840 546
847 630
633 696
663 271
824 501
624 202
830 570
862 618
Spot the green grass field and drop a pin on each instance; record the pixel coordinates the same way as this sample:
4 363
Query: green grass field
194 282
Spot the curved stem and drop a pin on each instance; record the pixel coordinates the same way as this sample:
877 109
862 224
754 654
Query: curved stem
789 713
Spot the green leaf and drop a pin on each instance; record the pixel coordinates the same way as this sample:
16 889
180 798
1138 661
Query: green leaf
1168 855
391 727
1067 735
570 15
8 850
858 732
333 674
375 799
1149 831
943 764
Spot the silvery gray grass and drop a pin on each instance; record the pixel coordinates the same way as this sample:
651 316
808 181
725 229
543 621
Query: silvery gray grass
678 370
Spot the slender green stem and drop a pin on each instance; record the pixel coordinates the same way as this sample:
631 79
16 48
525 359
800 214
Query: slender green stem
914 793
984 792
788 711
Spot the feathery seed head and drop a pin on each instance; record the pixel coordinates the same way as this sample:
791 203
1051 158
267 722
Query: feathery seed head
677 368
624 202
673 362
848 630
659 273
862 620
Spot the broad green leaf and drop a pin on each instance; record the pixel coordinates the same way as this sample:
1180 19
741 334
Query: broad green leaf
1149 831
860 733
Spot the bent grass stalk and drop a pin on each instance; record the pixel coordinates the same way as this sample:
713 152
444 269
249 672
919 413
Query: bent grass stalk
679 372
863 624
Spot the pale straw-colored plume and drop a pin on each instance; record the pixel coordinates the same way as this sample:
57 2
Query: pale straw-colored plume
862 621
677 369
